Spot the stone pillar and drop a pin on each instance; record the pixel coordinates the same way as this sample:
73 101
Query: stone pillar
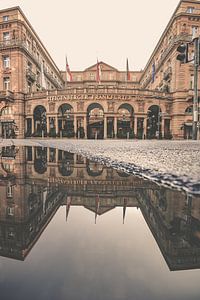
163 127
75 125
145 127
32 126
1 131
48 129
135 126
48 153
115 126
105 127
56 125
85 126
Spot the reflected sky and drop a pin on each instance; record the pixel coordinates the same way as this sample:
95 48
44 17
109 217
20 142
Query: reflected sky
53 249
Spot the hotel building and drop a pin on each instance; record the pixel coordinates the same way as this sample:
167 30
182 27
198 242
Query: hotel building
37 101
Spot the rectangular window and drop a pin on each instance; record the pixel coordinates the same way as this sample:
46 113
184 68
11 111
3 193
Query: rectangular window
6 36
5 18
6 61
10 211
192 82
9 191
195 31
6 83
190 10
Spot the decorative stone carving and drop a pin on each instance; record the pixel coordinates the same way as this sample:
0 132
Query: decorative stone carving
141 106
80 106
110 106
51 107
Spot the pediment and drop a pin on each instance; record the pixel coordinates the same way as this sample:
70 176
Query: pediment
104 67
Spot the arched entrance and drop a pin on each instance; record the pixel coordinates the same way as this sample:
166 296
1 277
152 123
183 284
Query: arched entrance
125 121
95 121
40 121
154 122
66 121
8 125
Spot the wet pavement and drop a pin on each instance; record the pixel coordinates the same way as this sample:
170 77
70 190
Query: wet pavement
72 228
174 163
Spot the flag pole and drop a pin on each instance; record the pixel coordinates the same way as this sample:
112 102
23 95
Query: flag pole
65 70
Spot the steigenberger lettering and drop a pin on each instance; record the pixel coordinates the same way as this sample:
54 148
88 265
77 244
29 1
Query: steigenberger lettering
88 97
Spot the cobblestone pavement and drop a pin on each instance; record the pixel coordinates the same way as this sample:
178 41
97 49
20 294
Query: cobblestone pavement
174 163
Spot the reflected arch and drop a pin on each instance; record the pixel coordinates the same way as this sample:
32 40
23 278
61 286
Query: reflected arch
40 121
94 169
66 121
66 163
125 121
95 121
40 160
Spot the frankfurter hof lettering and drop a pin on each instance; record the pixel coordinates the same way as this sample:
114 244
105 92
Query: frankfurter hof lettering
87 97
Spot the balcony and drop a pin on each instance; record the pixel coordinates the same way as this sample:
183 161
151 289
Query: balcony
30 75
167 73
6 96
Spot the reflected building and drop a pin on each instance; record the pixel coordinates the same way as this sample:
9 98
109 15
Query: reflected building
36 181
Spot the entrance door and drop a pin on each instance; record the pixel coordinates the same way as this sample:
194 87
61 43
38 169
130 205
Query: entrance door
187 132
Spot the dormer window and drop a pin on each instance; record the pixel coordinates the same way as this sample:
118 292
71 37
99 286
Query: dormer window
190 10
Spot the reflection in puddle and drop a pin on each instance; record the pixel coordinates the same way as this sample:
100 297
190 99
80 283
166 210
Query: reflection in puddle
36 181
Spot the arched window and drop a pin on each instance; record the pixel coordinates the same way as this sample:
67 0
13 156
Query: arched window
189 110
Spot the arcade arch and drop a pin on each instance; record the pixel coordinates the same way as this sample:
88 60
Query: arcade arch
125 121
154 122
66 121
95 121
40 121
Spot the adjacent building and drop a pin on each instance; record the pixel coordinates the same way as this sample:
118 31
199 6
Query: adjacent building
36 100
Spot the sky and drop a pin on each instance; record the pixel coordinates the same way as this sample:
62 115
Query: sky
110 30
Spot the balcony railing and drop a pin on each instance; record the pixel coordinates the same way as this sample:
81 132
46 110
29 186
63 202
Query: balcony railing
30 75
6 95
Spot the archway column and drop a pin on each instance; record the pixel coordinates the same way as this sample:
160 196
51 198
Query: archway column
48 129
32 125
115 126
85 125
75 125
105 127
163 127
56 124
145 127
135 125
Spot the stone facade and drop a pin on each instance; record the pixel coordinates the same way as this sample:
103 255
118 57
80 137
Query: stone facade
37 101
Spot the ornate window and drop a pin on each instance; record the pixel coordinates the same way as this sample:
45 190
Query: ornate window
6 61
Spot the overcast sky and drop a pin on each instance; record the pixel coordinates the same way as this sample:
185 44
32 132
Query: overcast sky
108 29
